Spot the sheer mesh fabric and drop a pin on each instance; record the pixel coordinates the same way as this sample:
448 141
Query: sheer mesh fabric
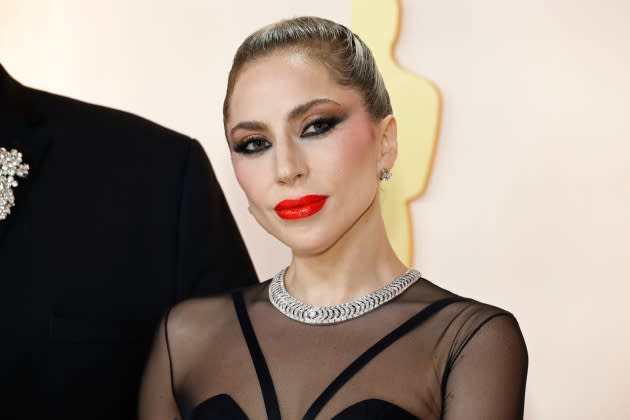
453 358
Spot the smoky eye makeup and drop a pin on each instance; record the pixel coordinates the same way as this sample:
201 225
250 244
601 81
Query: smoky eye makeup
311 128
251 145
322 125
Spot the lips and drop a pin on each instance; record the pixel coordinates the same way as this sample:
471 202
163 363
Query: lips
300 207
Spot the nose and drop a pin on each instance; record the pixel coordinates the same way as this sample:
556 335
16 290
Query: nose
290 162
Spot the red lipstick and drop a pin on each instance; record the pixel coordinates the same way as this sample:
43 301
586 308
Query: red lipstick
300 207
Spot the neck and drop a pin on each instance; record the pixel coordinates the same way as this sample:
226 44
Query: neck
361 261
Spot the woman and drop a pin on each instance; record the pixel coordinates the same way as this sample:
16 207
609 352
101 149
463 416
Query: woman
311 132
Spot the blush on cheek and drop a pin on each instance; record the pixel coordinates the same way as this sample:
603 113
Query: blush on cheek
246 177
356 149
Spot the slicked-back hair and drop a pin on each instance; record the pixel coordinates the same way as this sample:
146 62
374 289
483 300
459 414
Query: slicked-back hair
337 48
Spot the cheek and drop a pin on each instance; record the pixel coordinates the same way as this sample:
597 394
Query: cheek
356 154
248 176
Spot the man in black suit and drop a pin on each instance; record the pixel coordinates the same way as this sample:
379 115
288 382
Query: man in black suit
117 219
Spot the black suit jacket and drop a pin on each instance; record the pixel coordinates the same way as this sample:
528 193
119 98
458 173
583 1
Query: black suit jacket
118 219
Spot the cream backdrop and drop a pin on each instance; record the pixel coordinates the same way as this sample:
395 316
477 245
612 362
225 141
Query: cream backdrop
528 203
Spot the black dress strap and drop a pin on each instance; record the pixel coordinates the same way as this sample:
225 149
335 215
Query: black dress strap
374 350
262 370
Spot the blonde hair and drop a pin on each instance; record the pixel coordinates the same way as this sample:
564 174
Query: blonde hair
336 47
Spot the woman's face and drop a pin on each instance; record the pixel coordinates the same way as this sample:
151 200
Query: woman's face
304 150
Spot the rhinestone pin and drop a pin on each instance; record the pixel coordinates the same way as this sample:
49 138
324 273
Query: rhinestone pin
11 166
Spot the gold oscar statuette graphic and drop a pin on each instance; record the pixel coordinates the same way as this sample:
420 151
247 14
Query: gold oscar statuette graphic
416 103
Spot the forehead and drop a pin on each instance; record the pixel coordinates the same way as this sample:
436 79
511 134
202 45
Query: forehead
278 82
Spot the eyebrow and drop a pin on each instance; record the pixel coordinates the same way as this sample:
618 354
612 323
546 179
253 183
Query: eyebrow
303 108
248 125
293 114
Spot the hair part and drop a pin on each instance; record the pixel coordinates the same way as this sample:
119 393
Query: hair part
336 47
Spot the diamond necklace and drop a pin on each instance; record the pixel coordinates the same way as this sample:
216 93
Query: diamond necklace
321 315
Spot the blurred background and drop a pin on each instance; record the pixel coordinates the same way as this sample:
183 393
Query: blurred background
528 204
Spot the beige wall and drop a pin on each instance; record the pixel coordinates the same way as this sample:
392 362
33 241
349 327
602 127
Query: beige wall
527 207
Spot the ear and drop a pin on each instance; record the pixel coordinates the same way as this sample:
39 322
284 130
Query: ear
387 136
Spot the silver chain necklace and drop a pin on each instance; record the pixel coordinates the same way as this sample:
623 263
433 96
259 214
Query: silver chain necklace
321 315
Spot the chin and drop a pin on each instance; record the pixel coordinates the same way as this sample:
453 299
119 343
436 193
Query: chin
307 252
313 244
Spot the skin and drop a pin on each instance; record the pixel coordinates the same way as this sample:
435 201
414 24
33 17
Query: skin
294 131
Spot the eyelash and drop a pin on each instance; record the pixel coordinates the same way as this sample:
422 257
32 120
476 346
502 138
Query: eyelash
244 146
261 144
328 122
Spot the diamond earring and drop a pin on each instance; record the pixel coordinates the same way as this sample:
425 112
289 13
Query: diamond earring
385 174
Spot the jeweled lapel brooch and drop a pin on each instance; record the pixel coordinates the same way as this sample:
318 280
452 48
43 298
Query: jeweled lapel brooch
11 166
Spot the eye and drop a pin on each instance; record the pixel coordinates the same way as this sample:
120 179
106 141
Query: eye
320 126
251 145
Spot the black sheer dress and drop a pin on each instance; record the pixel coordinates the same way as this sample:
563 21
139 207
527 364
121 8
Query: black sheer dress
427 354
